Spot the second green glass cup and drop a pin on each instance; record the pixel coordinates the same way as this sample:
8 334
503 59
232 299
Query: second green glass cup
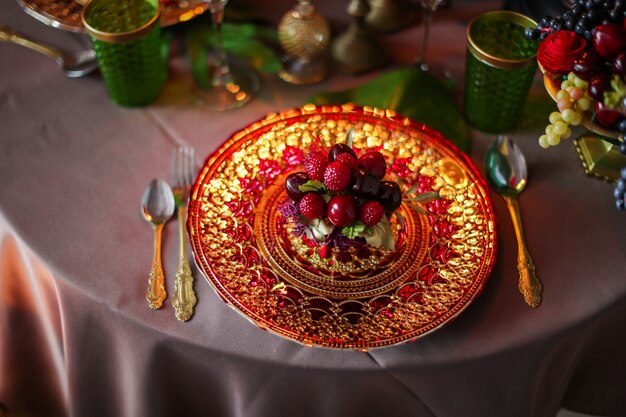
500 67
127 38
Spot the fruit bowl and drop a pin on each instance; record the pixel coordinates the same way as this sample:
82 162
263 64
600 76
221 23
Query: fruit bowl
599 148
582 54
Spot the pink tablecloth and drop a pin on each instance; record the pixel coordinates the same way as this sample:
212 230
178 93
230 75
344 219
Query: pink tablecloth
77 337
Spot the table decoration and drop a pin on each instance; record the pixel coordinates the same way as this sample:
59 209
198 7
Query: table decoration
304 34
386 16
233 83
428 8
245 40
357 50
441 259
157 207
583 57
65 14
127 39
414 93
500 67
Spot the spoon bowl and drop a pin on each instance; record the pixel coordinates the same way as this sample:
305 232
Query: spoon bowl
507 174
505 163
157 207
158 204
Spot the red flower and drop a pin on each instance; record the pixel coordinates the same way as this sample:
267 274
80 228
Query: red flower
559 50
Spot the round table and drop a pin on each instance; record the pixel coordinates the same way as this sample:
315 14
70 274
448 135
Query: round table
79 339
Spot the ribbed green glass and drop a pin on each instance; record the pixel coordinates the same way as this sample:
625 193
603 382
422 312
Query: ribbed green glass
133 70
496 89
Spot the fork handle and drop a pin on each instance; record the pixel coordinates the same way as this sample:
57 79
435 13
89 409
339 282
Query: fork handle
184 296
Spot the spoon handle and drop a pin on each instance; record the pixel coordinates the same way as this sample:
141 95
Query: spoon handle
156 281
528 284
184 296
9 35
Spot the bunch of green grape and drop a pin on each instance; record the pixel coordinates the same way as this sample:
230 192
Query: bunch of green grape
572 101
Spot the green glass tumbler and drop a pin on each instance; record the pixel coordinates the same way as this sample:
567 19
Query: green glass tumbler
500 67
126 36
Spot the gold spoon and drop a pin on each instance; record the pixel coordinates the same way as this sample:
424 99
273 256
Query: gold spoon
157 207
507 174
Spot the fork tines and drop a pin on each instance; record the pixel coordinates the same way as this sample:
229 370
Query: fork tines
184 168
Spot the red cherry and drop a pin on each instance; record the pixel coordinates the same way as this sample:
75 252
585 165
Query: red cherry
338 149
373 162
605 116
293 183
609 40
619 64
341 210
598 84
588 64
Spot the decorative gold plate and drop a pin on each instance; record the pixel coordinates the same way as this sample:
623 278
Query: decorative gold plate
374 297
65 14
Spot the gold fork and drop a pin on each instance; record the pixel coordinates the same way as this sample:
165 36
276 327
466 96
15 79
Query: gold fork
184 175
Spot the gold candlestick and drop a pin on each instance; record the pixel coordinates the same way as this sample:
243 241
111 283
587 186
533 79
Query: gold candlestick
388 16
357 50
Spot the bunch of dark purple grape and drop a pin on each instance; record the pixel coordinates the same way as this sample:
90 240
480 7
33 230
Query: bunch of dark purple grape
581 18
620 187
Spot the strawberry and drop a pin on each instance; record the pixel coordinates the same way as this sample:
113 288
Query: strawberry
371 212
315 163
337 176
349 160
312 206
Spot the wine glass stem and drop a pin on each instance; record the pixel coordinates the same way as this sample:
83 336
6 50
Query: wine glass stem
221 77
428 15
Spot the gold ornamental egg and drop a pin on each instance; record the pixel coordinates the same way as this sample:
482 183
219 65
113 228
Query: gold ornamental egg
303 32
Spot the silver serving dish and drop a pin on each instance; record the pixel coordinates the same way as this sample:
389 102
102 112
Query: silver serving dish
65 14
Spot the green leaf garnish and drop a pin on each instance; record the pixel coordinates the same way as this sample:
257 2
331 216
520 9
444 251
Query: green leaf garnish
312 185
354 230
412 189
381 235
426 197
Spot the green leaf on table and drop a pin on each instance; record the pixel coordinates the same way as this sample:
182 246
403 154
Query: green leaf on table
412 93
198 57
246 41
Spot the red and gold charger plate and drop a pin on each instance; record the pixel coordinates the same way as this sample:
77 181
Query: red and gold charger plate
367 300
